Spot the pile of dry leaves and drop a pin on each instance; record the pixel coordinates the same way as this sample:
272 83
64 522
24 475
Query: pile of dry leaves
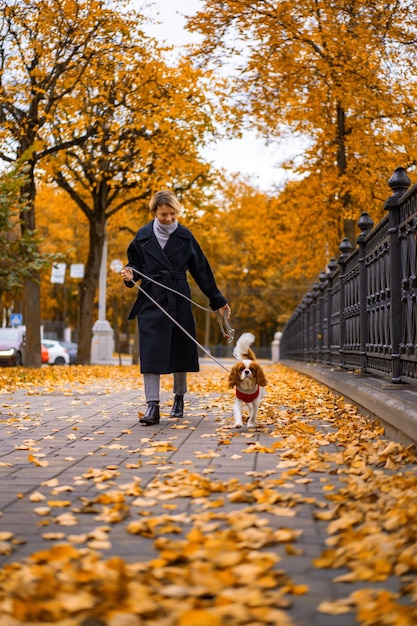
214 565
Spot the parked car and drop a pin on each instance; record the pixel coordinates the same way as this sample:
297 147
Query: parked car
58 355
44 354
71 348
11 346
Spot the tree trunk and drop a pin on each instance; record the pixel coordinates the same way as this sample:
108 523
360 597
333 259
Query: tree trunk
349 228
32 321
348 223
89 286
32 290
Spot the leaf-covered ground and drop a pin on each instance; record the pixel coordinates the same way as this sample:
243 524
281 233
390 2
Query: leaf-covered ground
216 539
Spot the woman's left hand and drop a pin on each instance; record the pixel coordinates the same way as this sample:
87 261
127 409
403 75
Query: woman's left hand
226 311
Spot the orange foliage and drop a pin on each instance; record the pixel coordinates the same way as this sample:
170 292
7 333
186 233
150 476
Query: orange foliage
249 238
336 76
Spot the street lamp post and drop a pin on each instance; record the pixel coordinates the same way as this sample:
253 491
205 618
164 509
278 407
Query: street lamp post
102 344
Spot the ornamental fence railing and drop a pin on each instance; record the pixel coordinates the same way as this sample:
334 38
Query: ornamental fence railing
361 314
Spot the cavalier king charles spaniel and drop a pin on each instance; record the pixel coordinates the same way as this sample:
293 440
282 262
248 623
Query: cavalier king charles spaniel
249 380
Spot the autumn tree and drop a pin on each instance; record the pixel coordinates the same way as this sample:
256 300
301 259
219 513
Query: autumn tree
262 259
64 236
19 254
149 121
46 46
337 75
63 230
247 236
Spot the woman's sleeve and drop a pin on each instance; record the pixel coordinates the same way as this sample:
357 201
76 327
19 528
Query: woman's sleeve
200 270
134 262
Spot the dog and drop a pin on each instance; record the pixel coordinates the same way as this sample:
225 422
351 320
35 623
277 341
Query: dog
248 378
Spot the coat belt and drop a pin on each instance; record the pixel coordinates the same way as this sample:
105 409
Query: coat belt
167 277
170 274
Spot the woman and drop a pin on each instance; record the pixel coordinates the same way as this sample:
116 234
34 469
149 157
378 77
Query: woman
163 251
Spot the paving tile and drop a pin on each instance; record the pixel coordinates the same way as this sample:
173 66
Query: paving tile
85 442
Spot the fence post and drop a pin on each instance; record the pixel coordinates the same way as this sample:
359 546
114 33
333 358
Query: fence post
275 347
399 183
308 299
321 341
345 249
365 224
331 269
315 320
304 320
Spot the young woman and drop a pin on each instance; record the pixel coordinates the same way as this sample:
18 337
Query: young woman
164 251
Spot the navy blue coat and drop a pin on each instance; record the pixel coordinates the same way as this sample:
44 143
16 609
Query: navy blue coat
163 347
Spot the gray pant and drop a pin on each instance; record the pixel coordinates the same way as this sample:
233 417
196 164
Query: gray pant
152 384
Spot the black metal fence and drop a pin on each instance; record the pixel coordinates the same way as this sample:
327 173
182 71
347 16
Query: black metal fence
362 312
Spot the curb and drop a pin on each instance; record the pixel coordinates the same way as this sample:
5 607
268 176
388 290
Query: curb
394 406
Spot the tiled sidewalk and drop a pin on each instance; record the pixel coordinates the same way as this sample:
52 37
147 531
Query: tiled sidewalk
62 453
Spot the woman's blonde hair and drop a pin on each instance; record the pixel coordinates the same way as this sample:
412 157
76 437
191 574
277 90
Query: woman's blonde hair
166 197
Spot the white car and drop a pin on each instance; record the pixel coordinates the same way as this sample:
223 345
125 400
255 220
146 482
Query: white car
57 353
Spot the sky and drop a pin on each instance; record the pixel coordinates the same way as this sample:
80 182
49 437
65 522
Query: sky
249 155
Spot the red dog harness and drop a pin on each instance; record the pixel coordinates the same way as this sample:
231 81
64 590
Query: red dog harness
247 397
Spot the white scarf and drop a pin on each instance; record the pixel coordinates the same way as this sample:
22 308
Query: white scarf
163 231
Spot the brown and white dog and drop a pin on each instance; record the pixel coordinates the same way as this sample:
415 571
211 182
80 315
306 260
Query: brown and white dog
248 378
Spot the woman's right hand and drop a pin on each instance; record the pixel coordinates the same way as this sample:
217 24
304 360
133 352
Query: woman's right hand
127 274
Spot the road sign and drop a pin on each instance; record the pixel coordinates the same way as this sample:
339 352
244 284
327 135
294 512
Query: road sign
58 273
77 270
16 319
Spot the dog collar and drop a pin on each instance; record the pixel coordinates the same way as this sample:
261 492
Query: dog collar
247 397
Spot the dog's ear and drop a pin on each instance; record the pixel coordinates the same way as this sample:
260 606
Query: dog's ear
234 376
260 376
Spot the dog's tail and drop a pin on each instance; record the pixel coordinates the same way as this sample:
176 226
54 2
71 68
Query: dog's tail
242 349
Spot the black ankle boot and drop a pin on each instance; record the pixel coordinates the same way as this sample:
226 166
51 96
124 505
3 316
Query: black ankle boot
152 414
178 407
